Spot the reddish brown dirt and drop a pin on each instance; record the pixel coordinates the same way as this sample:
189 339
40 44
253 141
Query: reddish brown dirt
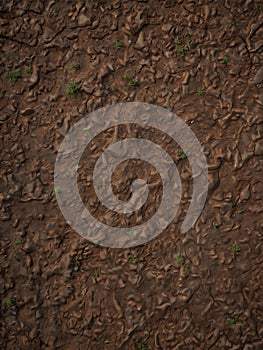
59 291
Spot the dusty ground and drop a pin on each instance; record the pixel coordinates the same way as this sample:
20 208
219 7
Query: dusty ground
59 291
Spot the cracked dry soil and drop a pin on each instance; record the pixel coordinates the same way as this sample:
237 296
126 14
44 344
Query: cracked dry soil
203 61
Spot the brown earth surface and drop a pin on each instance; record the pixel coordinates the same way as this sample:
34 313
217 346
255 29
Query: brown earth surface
203 61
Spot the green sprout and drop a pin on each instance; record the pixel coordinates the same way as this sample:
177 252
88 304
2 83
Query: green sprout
92 58
10 302
224 60
16 257
97 273
19 241
187 271
182 154
200 91
141 345
14 75
117 44
234 320
181 49
179 260
133 258
235 249
75 66
28 70
9 54
177 41
72 89
58 189
240 211
215 226
130 82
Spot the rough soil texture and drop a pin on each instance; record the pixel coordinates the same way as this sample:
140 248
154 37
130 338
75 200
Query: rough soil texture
59 291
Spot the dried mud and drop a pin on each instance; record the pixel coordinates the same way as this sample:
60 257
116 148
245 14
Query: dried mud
58 291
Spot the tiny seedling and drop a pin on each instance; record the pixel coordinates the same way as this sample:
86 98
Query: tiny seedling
180 48
141 345
97 273
33 135
187 271
75 66
200 91
92 58
14 75
72 89
16 257
240 211
234 320
133 258
57 189
232 22
19 241
130 82
215 226
9 54
177 41
224 60
10 302
179 260
28 70
117 44
235 249
182 154
190 33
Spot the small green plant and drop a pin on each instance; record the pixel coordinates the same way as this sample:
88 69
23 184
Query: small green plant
133 258
232 22
141 345
117 44
33 135
235 249
14 75
182 154
19 241
180 48
75 66
9 54
200 91
179 260
72 89
215 226
234 320
224 60
97 273
10 302
240 211
58 189
187 271
16 257
28 70
92 58
130 82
